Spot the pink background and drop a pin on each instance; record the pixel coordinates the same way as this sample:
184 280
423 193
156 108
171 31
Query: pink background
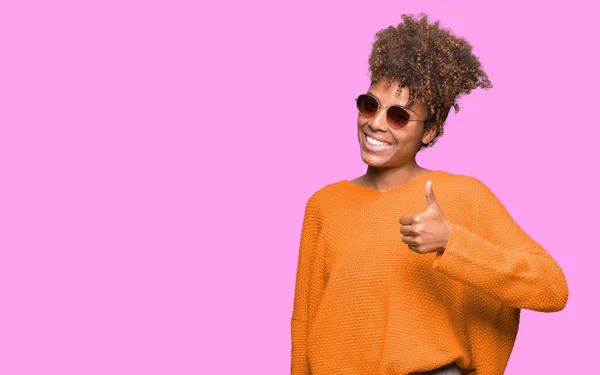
156 157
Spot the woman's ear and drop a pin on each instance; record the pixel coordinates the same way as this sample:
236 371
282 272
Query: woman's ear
429 134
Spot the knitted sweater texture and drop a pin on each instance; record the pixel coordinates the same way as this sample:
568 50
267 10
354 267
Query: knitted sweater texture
366 304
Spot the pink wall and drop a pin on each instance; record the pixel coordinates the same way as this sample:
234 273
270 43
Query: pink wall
156 157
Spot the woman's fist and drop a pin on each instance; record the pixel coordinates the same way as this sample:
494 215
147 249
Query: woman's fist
428 231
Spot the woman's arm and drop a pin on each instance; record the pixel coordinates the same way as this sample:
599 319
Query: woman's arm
299 323
500 259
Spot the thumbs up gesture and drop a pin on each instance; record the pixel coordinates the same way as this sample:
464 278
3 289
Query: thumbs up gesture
428 231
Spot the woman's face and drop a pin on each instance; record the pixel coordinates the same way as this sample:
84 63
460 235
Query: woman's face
402 144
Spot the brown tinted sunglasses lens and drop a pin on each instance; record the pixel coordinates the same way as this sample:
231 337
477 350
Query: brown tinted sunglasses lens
367 105
397 117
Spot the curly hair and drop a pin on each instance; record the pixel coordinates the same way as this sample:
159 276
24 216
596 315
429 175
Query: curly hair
436 65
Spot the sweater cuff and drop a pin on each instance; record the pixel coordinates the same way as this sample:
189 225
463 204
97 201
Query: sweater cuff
451 261
299 365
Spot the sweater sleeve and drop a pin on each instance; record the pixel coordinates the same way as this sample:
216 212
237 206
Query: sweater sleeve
500 259
299 322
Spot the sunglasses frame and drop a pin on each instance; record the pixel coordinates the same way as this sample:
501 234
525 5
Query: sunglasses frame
379 105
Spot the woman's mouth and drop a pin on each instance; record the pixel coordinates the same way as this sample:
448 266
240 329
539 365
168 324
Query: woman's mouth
375 145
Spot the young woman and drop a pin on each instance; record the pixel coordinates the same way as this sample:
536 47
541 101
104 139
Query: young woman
407 270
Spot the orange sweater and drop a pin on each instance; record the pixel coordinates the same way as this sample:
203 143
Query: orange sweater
366 304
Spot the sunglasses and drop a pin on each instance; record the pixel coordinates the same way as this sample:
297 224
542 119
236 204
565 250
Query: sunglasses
397 116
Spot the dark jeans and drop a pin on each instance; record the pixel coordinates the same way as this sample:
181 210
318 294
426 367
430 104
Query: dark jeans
450 369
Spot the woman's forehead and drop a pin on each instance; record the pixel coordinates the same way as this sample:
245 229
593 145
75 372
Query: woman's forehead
390 88
390 92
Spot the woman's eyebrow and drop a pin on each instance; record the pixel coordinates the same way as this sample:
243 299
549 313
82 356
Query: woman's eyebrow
407 108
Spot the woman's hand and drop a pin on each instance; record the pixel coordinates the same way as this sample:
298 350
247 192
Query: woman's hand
428 231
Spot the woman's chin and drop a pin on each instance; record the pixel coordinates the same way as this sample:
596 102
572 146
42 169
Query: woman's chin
373 159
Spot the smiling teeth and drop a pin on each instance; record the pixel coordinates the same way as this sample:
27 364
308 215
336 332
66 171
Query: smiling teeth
377 143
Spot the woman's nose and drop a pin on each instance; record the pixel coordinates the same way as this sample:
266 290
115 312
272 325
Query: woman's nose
379 122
